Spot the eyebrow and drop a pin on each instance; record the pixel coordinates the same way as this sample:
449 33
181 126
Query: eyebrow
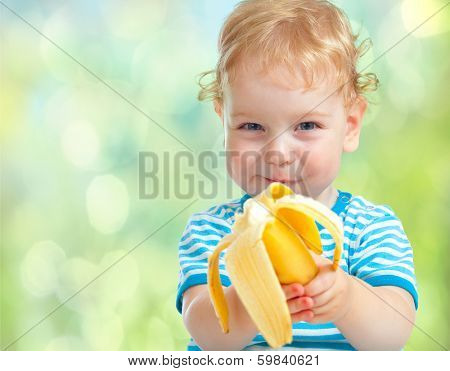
315 113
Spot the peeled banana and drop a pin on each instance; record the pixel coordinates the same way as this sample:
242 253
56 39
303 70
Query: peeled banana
269 246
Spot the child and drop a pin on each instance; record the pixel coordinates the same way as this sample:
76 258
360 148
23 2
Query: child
290 101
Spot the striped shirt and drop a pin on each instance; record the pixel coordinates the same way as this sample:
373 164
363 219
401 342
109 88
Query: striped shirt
375 250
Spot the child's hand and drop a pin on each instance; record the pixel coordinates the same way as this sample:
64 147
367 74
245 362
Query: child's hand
330 292
299 305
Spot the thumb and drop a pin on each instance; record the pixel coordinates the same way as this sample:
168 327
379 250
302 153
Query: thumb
320 260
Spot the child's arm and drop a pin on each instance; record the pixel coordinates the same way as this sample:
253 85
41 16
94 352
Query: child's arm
373 304
379 318
371 318
200 320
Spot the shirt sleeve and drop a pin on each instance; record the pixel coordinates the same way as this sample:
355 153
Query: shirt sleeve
383 256
199 239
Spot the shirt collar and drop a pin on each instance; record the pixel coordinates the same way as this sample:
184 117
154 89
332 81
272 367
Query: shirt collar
342 201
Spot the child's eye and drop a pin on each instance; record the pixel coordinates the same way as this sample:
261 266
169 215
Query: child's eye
251 126
307 126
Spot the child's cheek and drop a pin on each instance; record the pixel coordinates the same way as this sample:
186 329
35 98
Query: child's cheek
245 169
239 165
322 167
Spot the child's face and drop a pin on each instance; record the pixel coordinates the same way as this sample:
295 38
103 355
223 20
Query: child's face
268 138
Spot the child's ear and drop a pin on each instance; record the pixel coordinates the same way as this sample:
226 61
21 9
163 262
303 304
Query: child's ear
219 110
353 124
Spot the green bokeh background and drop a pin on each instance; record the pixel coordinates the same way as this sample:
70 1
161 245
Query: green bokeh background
70 191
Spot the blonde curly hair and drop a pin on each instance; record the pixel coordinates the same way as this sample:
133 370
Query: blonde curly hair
312 36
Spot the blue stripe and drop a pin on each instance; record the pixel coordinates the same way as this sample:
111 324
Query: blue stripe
313 344
227 210
194 348
194 253
318 337
380 239
258 338
204 266
394 226
197 240
365 234
197 252
381 268
360 202
204 232
394 259
324 232
390 280
322 345
219 210
358 225
244 198
361 213
390 245
209 223
311 326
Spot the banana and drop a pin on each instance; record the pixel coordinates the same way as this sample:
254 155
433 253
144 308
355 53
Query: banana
269 246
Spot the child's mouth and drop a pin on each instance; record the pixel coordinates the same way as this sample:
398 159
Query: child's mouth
284 181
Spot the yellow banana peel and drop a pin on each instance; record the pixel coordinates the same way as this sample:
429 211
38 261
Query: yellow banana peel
269 246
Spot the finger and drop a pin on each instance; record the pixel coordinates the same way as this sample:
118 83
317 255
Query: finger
293 290
306 316
323 309
298 304
323 298
322 282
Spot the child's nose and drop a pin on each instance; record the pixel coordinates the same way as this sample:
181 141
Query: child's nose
278 153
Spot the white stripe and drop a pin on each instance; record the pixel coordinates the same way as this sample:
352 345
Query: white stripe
385 272
370 241
222 213
194 248
347 228
384 224
202 256
375 212
369 204
380 250
404 263
231 204
358 200
389 265
327 239
211 237
352 229
318 332
212 209
192 228
361 218
373 246
211 218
